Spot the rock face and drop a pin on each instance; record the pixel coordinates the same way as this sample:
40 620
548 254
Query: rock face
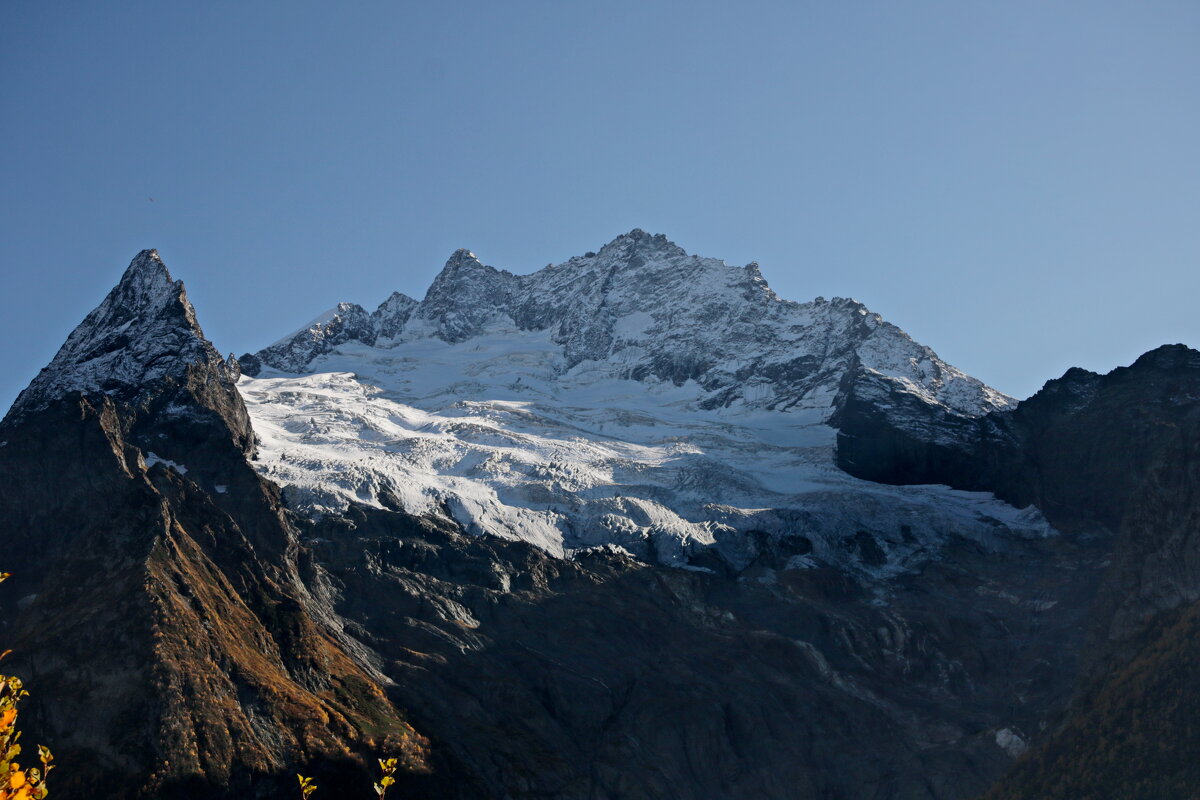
1113 455
606 677
161 617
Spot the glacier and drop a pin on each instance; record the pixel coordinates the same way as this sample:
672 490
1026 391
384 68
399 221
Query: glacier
637 397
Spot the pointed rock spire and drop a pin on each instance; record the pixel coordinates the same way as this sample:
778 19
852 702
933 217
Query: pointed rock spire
392 315
143 331
466 295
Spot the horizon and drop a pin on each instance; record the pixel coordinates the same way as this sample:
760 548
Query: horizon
1015 190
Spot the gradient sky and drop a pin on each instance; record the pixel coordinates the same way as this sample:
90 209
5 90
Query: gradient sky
1015 184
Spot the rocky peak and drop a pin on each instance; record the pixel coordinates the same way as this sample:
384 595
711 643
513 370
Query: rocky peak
392 315
629 247
1168 357
144 330
461 271
645 309
465 296
342 323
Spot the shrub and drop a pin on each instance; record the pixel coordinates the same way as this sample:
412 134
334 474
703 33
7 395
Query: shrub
17 783
387 766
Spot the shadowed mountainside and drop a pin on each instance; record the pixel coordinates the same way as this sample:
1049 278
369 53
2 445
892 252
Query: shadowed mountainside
1120 453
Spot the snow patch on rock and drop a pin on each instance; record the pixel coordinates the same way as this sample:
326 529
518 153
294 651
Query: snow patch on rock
144 331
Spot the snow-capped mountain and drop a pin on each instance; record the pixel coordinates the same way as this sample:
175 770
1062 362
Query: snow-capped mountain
643 309
828 636
144 331
637 396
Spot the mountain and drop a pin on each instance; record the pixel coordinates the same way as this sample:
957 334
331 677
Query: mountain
1106 455
643 309
159 607
636 397
144 333
630 526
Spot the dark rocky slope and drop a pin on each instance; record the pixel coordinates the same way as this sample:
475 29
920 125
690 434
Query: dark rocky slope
608 678
183 643
1119 454
159 619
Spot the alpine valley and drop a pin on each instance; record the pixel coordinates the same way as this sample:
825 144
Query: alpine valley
630 526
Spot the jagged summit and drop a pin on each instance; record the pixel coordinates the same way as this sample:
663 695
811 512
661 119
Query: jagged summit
644 309
637 396
146 264
638 241
143 331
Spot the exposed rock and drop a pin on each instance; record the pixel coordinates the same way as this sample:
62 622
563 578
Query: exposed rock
647 308
604 677
171 647
1115 456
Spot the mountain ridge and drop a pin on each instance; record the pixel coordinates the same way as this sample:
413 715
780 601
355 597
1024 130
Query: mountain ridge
637 396
727 611
634 290
143 331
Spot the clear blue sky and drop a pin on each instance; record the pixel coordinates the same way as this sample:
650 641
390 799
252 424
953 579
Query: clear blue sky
1016 184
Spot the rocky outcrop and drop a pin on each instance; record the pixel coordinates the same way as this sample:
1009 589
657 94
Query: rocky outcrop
604 677
1112 457
1078 449
156 608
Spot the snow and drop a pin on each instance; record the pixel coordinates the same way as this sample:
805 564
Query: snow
638 398
1010 742
143 331
152 459
641 307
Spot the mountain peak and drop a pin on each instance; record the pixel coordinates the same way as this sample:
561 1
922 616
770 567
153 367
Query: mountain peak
144 330
146 262
642 308
639 242
1169 356
461 257
465 295
145 283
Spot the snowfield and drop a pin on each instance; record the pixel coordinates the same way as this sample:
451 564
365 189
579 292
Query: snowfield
638 397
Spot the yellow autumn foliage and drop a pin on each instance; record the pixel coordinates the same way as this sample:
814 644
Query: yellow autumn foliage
17 783
387 768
